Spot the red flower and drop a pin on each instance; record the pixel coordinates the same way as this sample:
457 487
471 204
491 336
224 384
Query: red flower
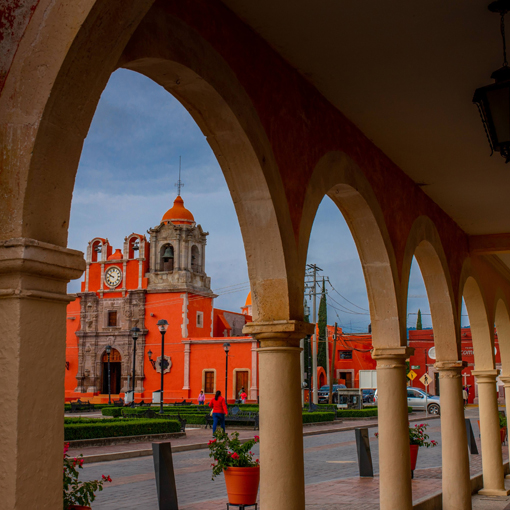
106 478
212 441
235 456
257 439
257 461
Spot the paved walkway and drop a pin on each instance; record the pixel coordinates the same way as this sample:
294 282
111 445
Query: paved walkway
331 474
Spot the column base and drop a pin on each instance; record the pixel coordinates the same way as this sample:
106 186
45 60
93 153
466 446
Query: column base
494 492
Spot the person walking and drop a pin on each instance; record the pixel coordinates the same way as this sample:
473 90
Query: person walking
243 396
219 411
465 395
201 398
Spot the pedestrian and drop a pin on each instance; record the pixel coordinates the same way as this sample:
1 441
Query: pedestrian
465 395
243 396
219 411
201 398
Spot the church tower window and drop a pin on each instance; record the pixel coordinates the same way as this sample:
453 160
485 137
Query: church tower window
195 259
166 262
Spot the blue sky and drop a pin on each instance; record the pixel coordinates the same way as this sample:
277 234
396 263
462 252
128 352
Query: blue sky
126 182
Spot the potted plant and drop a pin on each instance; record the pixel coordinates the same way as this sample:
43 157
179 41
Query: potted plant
77 495
417 438
236 460
502 427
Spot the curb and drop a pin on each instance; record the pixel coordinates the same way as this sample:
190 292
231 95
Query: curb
131 454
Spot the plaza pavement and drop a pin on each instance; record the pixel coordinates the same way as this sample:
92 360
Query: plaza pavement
331 474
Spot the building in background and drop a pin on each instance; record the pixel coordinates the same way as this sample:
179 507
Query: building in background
148 280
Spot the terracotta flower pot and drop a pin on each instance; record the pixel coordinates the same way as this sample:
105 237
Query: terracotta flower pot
502 432
242 485
414 455
79 507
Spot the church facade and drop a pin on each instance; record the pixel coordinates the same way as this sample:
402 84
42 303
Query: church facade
160 278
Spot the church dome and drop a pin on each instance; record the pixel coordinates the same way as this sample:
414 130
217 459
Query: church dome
178 214
248 299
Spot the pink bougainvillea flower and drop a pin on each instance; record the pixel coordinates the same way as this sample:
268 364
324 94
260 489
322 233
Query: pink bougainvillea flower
257 439
235 456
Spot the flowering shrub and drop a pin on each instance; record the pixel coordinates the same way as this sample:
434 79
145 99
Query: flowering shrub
230 452
75 492
417 436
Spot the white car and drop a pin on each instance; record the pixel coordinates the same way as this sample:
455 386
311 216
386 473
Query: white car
420 400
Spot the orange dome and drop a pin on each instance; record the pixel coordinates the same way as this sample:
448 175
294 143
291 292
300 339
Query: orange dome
117 255
178 214
248 300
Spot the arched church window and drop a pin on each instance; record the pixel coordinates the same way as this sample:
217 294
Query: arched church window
195 259
166 260
134 247
96 250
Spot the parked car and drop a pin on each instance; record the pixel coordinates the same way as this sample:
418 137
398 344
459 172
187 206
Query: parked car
420 400
324 393
368 396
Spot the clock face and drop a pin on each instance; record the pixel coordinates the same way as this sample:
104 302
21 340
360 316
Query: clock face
113 277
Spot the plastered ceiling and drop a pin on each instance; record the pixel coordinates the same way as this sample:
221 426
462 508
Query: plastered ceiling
404 72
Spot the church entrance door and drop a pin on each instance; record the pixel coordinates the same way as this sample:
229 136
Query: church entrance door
115 372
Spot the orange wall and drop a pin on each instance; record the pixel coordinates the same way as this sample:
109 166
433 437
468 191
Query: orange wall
73 310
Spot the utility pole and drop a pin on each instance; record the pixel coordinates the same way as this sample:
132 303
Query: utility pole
312 285
332 365
328 373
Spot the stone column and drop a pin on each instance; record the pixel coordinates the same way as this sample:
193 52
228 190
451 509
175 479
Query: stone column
394 458
505 379
282 480
492 459
33 300
456 477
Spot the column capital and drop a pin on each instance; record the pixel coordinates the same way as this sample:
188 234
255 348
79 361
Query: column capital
450 369
29 256
278 332
485 376
392 357
31 269
505 379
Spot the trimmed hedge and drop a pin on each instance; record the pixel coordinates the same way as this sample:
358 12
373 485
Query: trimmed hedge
316 417
322 407
356 413
111 411
117 428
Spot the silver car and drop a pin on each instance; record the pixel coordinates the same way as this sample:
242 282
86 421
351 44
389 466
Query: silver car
420 400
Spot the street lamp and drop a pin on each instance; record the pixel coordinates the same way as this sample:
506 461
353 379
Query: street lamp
108 350
493 100
226 347
134 334
162 326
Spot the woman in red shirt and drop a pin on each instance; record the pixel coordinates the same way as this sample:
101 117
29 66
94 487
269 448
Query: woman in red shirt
220 410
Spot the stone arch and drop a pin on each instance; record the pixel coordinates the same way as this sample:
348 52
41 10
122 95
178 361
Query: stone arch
337 176
77 64
425 244
502 321
482 332
195 259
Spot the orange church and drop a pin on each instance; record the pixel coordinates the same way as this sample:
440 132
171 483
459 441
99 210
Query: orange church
148 280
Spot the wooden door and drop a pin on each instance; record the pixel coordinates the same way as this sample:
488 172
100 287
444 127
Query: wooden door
241 382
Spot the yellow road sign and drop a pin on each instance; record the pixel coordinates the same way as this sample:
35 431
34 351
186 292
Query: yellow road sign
425 379
412 375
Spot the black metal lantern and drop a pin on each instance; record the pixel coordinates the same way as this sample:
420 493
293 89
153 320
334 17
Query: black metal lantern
493 101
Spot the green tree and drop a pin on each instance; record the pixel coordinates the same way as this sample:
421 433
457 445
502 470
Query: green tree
419 325
322 324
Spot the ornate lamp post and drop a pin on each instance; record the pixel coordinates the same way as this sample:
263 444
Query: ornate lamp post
493 100
226 347
134 334
108 350
162 326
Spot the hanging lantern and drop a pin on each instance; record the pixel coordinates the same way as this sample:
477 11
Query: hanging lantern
493 100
